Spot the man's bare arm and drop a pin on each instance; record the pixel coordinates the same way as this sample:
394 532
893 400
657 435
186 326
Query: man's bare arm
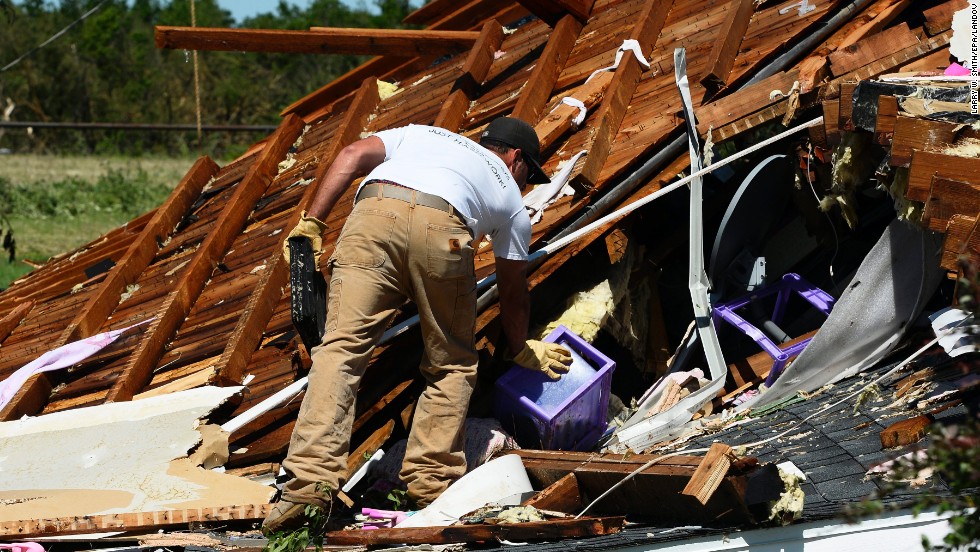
515 301
353 162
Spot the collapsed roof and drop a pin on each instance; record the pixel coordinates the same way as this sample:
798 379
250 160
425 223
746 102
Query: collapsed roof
200 284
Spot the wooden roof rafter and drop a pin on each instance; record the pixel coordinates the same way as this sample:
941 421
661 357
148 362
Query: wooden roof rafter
139 367
541 84
475 70
33 395
553 11
317 40
13 318
730 35
650 22
264 298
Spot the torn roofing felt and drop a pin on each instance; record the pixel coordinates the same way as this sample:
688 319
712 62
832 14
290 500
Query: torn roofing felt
204 270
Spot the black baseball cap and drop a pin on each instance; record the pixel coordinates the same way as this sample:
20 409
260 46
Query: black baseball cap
516 133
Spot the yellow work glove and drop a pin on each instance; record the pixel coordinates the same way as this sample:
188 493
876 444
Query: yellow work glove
308 227
551 359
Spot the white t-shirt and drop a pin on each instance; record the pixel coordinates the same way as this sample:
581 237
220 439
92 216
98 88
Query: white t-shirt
471 178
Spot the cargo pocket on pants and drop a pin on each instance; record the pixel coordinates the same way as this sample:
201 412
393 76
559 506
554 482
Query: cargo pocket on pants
450 260
449 255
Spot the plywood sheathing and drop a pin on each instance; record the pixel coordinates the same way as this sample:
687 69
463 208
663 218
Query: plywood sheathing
940 18
871 49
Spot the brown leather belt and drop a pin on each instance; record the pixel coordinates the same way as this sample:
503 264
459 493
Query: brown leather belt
393 190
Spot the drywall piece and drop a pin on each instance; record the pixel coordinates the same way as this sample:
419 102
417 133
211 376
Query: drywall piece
960 331
501 481
116 458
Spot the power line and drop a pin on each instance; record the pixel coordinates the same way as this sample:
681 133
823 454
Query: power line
138 126
54 37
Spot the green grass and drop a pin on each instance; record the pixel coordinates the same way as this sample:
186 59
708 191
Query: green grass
52 205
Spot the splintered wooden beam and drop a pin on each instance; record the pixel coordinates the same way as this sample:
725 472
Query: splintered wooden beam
429 12
13 318
885 120
359 456
30 399
475 69
263 300
905 432
469 15
649 23
875 24
845 106
891 62
962 238
748 100
710 473
949 197
141 521
754 368
537 530
552 11
139 367
914 133
831 110
318 40
560 496
342 86
561 120
730 35
927 165
549 65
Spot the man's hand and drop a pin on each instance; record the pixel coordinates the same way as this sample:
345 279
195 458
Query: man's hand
308 227
549 358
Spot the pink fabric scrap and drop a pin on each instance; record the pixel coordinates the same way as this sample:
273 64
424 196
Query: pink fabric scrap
382 518
956 70
62 357
22 547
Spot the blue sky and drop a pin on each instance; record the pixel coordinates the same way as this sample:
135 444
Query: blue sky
240 9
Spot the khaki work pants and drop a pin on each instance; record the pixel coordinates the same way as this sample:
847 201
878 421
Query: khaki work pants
390 250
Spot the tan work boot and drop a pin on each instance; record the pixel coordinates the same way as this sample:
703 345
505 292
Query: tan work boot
284 516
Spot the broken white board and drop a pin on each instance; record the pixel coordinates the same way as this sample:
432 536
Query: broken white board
641 431
957 331
116 458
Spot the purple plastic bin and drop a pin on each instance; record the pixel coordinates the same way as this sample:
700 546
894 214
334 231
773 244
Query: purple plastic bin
568 414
